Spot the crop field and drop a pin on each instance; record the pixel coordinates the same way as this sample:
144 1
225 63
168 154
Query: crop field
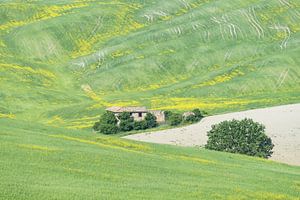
62 62
39 162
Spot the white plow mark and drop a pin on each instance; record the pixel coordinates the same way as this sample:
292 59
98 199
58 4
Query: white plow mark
206 32
225 22
289 5
149 18
227 55
255 20
176 30
231 26
160 13
214 19
285 3
179 30
251 17
185 4
99 22
195 26
282 77
80 64
287 33
100 57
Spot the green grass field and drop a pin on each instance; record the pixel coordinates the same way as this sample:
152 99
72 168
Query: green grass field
39 162
62 62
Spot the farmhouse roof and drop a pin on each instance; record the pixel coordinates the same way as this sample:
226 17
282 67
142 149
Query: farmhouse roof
186 114
117 109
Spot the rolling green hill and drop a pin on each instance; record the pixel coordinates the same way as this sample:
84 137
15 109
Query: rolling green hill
39 162
63 61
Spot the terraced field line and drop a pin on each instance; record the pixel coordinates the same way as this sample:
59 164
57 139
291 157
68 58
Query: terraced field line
253 23
231 27
285 3
97 26
185 4
255 20
227 55
214 19
282 77
287 32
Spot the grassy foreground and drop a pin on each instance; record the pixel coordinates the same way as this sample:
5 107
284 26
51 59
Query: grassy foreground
39 162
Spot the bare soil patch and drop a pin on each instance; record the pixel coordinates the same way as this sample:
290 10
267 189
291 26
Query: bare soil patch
282 125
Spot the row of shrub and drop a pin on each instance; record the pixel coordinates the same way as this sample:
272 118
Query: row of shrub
109 124
175 119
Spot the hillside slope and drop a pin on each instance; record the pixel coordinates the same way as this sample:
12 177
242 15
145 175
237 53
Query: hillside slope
62 62
39 162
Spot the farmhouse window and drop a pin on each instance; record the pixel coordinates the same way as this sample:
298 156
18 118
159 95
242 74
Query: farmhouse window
140 114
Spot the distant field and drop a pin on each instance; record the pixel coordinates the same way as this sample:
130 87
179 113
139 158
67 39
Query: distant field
62 62
39 162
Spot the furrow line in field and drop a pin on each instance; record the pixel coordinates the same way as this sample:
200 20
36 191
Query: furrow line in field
285 3
252 24
185 4
256 21
231 26
282 78
214 19
287 32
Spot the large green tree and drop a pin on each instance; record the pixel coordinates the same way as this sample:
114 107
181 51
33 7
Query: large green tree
244 137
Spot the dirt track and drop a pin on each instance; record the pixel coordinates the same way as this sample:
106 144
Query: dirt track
282 125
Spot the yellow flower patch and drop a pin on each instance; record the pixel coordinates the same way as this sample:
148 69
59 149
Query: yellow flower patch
188 158
163 103
74 139
8 116
123 143
124 25
41 72
38 147
56 120
47 12
221 79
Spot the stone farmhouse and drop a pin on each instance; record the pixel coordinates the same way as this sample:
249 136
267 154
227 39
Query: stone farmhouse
138 113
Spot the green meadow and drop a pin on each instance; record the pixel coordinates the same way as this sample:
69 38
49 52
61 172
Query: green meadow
39 162
62 62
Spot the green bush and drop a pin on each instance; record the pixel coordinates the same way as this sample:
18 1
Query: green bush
108 118
168 114
96 126
108 129
194 118
175 119
150 120
126 125
191 119
107 124
140 125
125 116
198 114
244 137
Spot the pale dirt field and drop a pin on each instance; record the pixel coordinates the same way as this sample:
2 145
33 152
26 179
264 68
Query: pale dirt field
282 125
